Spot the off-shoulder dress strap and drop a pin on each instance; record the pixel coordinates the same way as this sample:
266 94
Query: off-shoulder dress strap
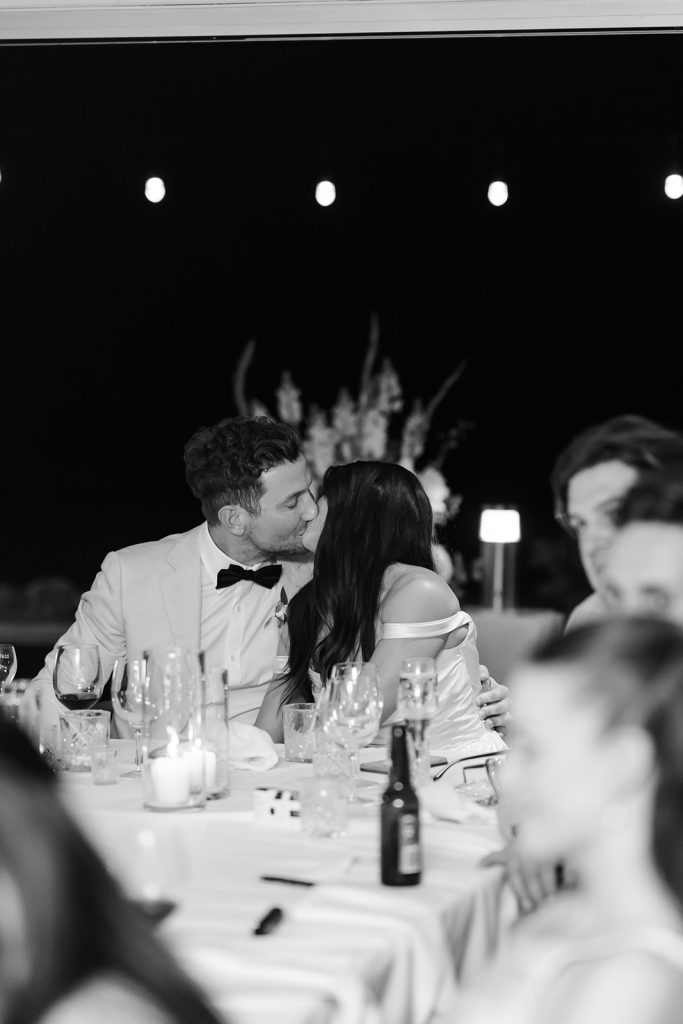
436 627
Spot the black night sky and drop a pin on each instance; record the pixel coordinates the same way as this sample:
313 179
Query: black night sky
122 321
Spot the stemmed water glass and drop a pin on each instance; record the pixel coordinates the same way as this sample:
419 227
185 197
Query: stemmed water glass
417 704
351 711
128 697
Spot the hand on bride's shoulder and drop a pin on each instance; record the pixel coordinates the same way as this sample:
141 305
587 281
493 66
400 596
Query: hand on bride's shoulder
415 594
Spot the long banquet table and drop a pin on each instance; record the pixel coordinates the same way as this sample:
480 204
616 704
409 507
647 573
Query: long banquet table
348 950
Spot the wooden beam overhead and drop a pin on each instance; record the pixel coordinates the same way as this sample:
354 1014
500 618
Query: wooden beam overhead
109 20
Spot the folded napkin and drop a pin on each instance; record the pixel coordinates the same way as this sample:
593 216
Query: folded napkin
251 747
445 803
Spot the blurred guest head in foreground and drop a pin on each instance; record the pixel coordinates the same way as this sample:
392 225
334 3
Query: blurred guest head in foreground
589 477
603 791
72 948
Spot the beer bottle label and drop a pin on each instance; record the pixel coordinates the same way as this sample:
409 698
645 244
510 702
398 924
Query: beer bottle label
408 845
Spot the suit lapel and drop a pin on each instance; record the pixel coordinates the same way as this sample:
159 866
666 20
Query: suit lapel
181 587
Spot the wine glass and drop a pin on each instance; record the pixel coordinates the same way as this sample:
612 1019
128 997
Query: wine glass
77 677
128 697
351 711
9 698
8 664
417 704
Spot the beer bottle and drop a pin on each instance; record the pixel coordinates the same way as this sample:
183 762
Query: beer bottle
401 856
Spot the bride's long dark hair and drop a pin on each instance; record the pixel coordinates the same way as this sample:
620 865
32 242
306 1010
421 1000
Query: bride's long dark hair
377 513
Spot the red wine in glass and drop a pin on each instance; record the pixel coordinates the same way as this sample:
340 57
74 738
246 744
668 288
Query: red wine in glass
77 701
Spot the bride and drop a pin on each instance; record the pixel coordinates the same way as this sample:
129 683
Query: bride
375 596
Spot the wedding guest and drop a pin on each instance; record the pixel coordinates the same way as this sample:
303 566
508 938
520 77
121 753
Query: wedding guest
602 789
375 595
589 477
72 948
190 589
644 568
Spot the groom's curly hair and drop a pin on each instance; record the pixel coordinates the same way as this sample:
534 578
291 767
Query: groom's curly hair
224 463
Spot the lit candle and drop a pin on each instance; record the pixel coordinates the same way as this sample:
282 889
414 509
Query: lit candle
171 779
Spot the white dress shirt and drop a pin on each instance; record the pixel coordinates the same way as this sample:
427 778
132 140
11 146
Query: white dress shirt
239 631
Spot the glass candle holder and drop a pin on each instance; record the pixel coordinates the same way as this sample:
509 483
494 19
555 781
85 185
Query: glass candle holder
216 734
173 750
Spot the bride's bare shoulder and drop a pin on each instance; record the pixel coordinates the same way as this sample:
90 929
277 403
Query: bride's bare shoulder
413 593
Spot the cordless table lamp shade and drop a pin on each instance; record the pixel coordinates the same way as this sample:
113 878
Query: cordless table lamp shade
499 532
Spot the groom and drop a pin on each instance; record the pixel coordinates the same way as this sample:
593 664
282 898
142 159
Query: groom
221 587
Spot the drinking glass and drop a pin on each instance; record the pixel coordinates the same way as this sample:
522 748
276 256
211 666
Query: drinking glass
10 694
417 704
8 665
216 733
79 732
351 711
128 697
77 676
494 766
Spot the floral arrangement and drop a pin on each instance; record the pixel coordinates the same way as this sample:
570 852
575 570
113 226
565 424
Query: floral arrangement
371 425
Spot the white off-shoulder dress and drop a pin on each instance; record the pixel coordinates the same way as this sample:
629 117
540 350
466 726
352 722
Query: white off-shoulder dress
456 730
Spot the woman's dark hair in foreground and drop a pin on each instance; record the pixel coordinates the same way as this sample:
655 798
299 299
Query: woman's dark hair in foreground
633 668
77 923
377 513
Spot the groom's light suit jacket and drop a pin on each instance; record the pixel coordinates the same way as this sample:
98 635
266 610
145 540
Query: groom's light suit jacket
149 595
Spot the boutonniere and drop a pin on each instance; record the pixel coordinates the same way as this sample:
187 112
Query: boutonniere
281 608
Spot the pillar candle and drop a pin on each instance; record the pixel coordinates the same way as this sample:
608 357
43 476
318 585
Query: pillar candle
171 778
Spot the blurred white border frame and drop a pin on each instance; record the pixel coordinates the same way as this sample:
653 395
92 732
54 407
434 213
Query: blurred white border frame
28 20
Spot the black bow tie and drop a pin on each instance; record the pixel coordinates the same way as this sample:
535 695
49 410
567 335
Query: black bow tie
266 576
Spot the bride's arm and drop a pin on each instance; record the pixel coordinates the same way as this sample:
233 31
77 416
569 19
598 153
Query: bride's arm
415 598
269 716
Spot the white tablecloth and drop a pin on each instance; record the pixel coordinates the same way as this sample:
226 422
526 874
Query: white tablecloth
348 949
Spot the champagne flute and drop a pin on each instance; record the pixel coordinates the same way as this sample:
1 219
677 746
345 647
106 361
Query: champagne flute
351 711
417 704
77 677
128 696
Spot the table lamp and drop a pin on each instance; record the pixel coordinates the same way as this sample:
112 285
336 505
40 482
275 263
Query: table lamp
499 532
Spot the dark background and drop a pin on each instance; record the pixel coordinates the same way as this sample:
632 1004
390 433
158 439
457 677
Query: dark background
122 321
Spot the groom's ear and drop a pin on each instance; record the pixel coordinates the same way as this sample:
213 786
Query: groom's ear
234 519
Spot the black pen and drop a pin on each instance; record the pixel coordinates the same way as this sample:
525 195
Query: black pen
285 881
270 921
